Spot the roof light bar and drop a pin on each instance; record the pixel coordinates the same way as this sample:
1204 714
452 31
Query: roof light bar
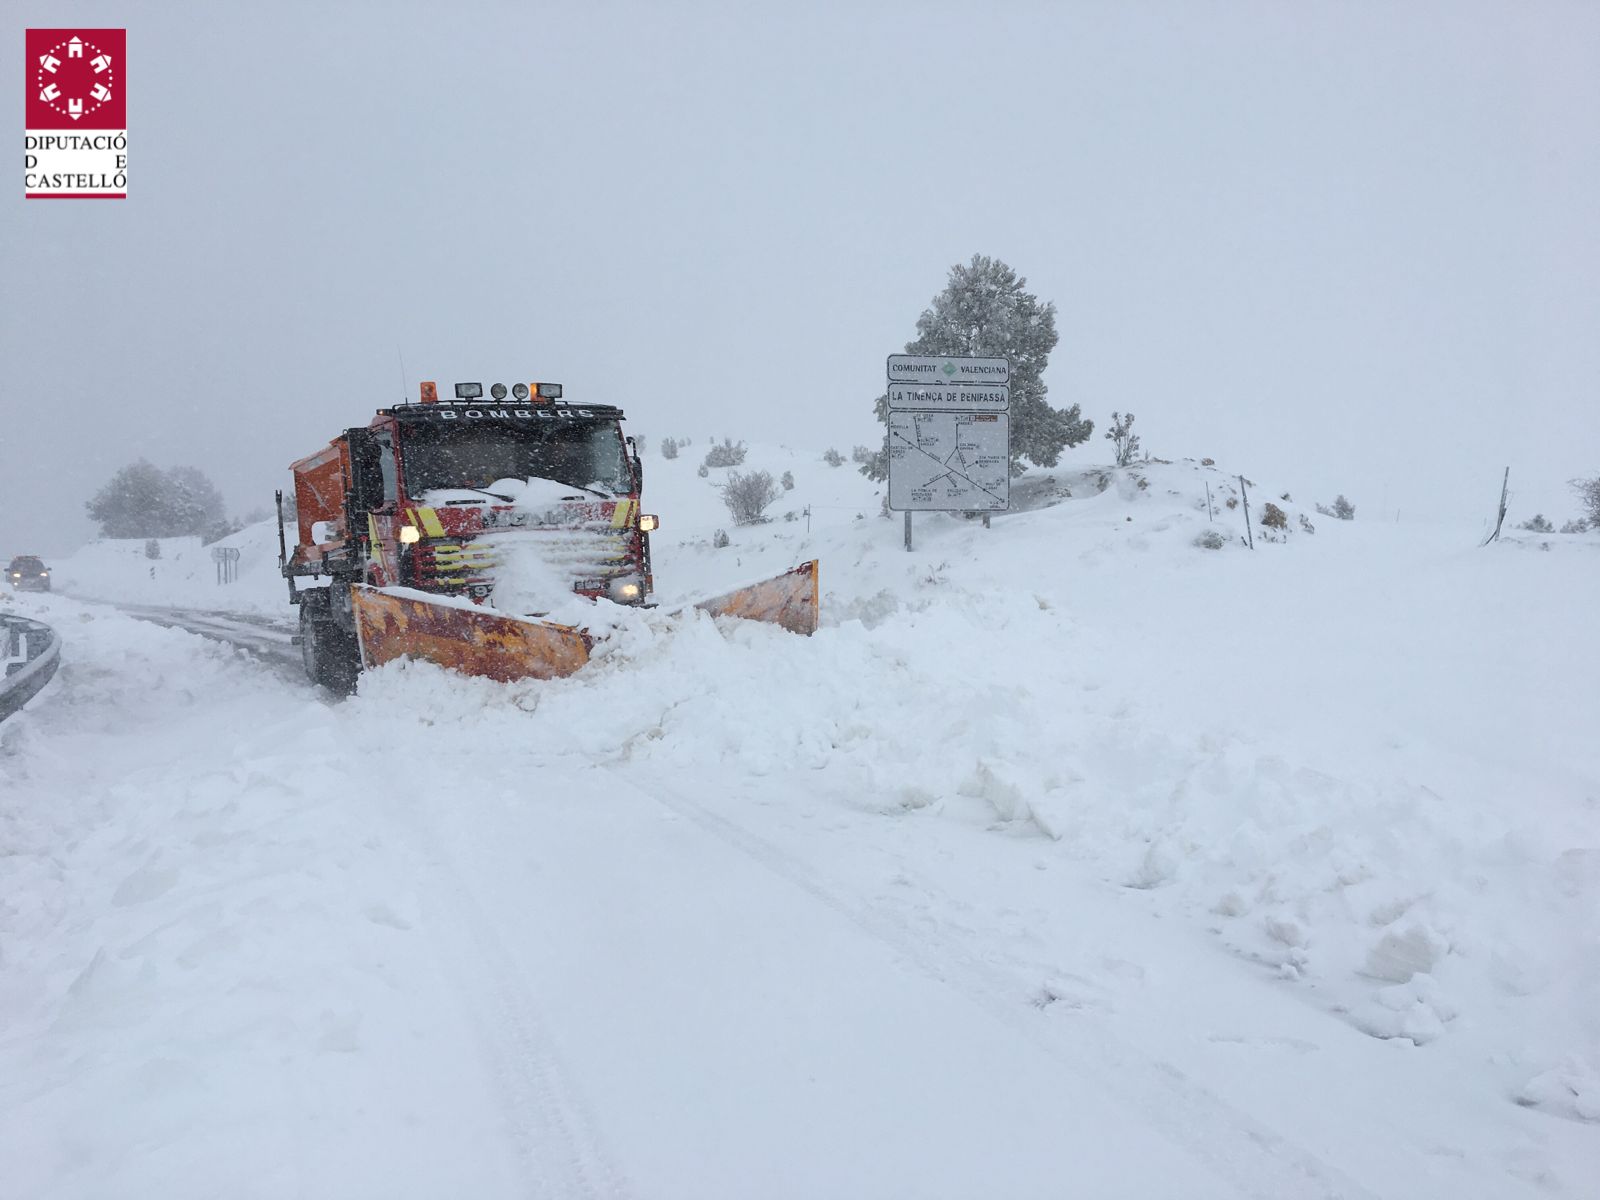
548 391
469 391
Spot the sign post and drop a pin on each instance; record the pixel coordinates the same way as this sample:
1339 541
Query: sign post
949 435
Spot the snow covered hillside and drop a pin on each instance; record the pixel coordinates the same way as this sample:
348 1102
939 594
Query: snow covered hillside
183 575
1072 856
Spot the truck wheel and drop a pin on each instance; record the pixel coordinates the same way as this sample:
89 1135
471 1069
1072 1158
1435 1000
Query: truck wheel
329 654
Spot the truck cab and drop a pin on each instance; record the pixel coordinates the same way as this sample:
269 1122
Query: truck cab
457 497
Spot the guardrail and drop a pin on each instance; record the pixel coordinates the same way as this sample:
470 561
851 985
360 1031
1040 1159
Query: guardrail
30 651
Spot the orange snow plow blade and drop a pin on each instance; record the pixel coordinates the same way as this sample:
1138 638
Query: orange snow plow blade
395 624
789 600
471 640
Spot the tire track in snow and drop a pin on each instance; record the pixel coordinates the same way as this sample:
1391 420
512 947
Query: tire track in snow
555 1134
1230 1143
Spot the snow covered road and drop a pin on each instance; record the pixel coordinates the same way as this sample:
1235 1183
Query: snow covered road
267 975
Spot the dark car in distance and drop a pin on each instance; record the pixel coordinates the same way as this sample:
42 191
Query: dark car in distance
28 574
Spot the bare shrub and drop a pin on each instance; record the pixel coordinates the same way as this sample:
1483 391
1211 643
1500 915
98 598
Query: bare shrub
727 453
1123 439
1538 523
860 454
747 496
1210 539
719 539
787 481
1575 527
1589 496
669 448
833 458
702 470
1274 517
1305 523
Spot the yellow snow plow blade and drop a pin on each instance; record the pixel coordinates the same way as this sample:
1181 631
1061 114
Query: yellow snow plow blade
463 637
790 600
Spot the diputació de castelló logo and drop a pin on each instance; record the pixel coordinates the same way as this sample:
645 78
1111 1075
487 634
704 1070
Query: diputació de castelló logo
76 114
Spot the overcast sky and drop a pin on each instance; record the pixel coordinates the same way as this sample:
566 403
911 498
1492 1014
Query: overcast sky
1345 247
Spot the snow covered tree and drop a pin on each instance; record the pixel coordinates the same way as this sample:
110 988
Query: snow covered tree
1589 496
728 454
1123 439
143 501
832 457
1538 523
1342 509
197 506
986 310
747 496
133 503
669 448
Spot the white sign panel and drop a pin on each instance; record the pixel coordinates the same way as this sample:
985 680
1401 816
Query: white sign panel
949 461
944 368
951 397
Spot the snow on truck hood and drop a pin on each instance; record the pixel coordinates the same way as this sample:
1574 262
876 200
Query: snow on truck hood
532 495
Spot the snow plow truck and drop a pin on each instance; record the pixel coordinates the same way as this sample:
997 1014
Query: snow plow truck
416 534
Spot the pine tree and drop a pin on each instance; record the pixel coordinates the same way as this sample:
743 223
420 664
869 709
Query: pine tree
986 310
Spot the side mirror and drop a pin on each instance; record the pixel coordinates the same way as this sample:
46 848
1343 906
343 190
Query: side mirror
366 467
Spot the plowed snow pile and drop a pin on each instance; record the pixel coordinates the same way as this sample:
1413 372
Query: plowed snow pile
1286 859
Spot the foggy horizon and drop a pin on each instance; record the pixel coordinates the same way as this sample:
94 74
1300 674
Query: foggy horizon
1337 249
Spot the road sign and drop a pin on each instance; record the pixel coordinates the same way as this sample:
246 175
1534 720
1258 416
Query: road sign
949 461
946 368
951 397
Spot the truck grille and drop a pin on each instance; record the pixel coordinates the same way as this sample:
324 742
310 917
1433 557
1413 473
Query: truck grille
588 558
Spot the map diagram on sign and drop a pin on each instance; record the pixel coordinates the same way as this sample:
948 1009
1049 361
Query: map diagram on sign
949 461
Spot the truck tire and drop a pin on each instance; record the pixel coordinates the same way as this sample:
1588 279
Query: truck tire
329 654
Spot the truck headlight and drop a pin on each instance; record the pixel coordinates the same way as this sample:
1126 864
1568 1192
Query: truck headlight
410 535
625 591
649 523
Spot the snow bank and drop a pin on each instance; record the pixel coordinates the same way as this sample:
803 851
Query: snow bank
1332 752
184 575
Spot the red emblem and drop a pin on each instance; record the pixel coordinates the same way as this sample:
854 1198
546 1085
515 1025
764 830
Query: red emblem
76 79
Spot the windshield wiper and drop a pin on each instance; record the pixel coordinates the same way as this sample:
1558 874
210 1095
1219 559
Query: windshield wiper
481 491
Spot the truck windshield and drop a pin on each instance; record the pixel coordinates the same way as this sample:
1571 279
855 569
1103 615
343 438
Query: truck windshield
584 454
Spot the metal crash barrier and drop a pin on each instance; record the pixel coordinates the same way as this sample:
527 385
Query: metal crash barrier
30 651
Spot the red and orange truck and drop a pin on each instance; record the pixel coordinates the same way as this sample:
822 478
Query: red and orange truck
405 529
